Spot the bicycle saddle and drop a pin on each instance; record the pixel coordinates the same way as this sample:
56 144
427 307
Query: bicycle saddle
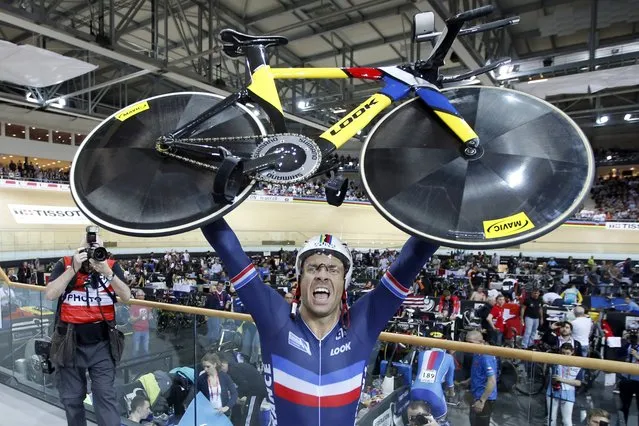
235 42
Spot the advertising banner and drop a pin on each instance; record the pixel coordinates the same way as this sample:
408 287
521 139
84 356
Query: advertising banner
622 226
47 215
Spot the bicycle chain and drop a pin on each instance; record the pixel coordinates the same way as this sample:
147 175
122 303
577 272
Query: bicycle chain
218 140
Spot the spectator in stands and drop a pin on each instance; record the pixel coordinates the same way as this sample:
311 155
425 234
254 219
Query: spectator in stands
627 269
478 295
496 322
216 385
218 300
563 334
495 261
139 318
532 316
449 306
597 417
289 298
571 295
250 389
561 389
24 273
552 298
140 409
581 328
631 306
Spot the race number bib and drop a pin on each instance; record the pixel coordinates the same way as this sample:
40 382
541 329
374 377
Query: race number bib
428 376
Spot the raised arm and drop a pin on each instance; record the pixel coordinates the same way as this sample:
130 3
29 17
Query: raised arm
380 304
266 306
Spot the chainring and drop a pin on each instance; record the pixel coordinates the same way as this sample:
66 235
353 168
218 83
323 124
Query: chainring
299 160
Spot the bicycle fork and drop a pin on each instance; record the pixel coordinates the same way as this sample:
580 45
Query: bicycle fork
446 112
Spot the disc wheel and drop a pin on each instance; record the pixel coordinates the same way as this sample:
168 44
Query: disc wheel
120 182
534 168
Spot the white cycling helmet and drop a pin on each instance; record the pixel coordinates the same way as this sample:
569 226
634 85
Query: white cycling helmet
326 244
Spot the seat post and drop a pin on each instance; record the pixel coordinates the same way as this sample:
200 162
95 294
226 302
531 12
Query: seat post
256 56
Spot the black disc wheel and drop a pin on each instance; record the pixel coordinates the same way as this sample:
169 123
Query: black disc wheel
532 170
122 183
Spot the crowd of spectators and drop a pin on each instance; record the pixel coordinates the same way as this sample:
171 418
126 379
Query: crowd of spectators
24 170
615 198
478 271
313 189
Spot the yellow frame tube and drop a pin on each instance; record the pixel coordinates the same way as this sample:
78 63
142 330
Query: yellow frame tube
356 120
303 73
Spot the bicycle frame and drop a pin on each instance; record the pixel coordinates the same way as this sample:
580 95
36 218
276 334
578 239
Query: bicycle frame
398 85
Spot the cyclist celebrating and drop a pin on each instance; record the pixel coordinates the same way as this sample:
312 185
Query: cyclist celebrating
314 361
435 367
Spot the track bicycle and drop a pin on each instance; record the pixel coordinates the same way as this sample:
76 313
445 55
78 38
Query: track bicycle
471 167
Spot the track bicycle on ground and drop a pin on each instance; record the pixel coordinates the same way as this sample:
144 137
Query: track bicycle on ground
471 167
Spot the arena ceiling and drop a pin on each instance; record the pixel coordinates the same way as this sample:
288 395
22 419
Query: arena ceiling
147 47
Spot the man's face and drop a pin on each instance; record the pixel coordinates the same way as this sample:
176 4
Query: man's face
535 294
289 298
501 300
224 366
322 284
220 288
627 300
566 330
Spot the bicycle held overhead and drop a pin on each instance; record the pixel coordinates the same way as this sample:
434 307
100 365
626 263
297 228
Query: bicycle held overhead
488 147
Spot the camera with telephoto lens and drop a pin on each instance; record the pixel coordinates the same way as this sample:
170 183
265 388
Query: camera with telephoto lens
94 250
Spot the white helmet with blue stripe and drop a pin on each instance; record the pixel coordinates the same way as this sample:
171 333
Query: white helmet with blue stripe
330 245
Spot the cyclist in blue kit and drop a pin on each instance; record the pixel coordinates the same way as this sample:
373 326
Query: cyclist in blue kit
434 368
315 357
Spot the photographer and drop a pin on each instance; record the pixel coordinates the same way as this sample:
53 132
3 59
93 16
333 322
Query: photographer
629 384
85 337
597 417
419 414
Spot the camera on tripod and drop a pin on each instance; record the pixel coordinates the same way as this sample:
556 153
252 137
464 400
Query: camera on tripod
94 250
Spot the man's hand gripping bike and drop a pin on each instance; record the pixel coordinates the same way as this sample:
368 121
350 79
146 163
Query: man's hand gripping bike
472 167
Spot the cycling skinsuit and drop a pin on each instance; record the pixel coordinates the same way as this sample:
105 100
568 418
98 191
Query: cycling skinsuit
310 381
434 367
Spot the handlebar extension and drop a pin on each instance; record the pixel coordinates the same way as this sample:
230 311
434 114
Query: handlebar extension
501 23
469 15
486 68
